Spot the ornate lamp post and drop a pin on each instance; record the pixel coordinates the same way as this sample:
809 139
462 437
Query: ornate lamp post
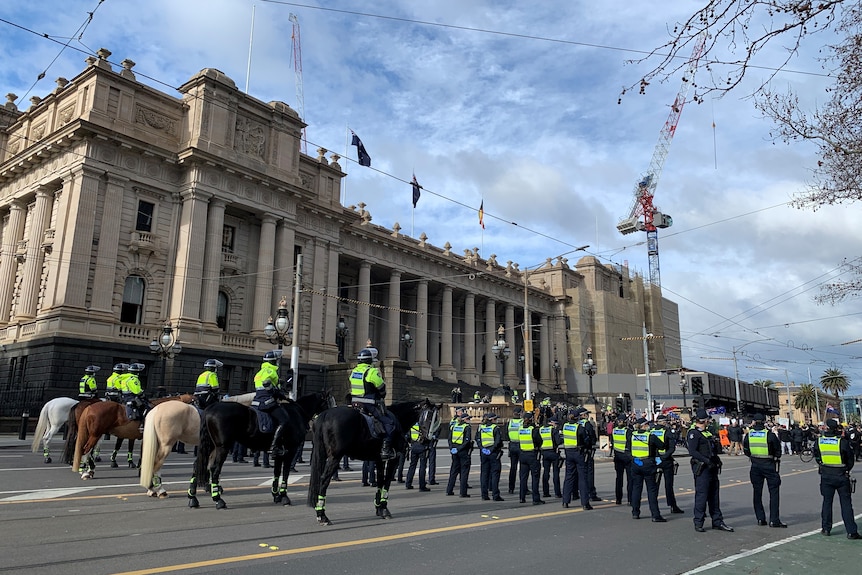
521 364
556 367
590 369
502 352
165 346
341 331
407 340
683 387
279 332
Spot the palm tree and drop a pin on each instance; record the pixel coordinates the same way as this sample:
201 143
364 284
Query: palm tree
766 383
834 381
806 399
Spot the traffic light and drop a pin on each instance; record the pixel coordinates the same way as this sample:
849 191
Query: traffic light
656 406
619 405
697 386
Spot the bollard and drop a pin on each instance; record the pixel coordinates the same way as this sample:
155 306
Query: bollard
22 430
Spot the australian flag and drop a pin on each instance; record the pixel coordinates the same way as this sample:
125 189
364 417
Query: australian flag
416 192
831 410
364 158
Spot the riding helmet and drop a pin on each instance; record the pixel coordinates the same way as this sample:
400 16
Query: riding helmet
136 367
272 356
121 367
91 369
212 364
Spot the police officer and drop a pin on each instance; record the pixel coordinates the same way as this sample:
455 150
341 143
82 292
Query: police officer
512 430
666 465
477 397
87 385
705 465
589 453
133 394
516 399
267 393
645 448
836 459
575 444
113 387
551 441
419 447
764 451
489 438
621 443
206 388
460 446
530 442
368 389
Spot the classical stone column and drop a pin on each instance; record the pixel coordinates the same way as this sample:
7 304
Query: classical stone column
32 273
545 359
212 262
446 330
284 275
188 270
511 363
362 309
470 334
74 233
491 364
420 343
13 232
263 305
393 317
105 274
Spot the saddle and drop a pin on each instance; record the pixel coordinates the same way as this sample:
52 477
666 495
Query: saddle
265 422
375 427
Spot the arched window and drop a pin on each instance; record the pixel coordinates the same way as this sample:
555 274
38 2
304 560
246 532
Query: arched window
221 311
133 300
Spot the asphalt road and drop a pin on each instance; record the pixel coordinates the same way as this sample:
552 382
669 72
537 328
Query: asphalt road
52 522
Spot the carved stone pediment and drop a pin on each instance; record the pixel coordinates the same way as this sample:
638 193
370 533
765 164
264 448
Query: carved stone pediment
155 120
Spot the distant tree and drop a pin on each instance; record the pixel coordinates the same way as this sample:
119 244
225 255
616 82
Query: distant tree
806 399
738 32
766 383
834 381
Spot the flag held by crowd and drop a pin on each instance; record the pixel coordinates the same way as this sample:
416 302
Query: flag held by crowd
482 214
416 192
364 158
831 410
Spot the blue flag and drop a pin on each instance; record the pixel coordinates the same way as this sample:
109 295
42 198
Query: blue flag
416 192
364 158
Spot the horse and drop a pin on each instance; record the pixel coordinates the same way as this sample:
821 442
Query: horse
164 425
227 423
108 417
344 431
51 418
72 437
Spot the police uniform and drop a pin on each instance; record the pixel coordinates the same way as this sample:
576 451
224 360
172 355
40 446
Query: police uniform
551 441
206 387
133 394
530 442
764 450
577 448
113 391
621 436
368 389
705 464
590 456
460 446
666 465
489 439
267 392
87 384
418 456
512 430
836 459
645 448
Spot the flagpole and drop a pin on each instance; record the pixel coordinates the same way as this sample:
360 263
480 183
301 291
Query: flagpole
250 44
343 180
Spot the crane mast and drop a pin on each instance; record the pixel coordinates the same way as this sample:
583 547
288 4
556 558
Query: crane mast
644 192
297 68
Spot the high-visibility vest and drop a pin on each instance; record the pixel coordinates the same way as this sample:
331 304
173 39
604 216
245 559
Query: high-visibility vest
132 384
414 432
268 373
619 435
514 428
525 439
87 384
660 432
570 435
486 435
207 379
113 382
458 433
640 444
757 443
830 451
547 438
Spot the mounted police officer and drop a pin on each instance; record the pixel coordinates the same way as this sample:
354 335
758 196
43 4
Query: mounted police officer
267 394
133 393
206 388
666 465
704 448
512 430
489 438
836 459
645 449
87 385
621 443
113 387
530 441
764 450
368 390
551 442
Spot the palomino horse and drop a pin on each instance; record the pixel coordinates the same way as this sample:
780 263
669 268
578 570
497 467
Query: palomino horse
344 431
51 418
227 423
107 417
164 425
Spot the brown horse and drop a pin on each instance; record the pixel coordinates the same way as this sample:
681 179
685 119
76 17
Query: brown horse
107 417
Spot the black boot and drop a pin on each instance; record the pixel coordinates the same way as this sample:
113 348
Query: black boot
275 449
386 451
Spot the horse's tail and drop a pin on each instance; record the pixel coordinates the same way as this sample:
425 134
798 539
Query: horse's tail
71 437
149 446
41 428
318 463
205 449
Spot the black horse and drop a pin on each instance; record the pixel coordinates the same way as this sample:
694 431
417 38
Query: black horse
344 431
226 423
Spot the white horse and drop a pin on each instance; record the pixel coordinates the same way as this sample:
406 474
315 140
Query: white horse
164 425
52 417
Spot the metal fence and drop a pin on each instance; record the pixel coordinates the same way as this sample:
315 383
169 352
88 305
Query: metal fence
15 401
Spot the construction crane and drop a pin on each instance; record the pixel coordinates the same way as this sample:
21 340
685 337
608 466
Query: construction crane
645 188
297 68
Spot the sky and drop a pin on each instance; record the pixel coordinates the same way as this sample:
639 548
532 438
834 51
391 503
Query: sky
516 106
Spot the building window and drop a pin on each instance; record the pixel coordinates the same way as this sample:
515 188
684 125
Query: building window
221 311
133 300
227 238
144 222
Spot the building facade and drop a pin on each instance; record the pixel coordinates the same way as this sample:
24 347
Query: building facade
124 209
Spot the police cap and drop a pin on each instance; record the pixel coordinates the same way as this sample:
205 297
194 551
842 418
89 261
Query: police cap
701 414
640 420
490 416
758 417
832 423
528 415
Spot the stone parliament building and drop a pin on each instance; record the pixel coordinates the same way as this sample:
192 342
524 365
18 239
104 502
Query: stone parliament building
123 208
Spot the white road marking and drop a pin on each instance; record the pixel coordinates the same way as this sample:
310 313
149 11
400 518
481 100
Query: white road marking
47 494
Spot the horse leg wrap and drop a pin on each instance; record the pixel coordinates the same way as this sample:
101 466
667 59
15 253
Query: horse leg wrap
321 503
215 491
46 452
129 457
114 455
283 487
193 487
157 482
274 489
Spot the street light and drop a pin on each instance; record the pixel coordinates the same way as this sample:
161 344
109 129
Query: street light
407 340
279 332
521 364
501 351
556 374
683 386
341 331
165 346
590 369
